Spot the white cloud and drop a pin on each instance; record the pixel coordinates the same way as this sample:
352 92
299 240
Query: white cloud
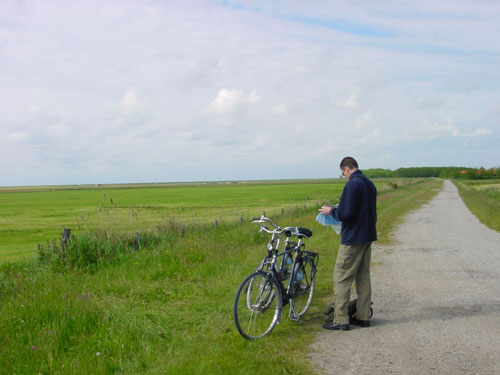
430 130
253 98
362 120
452 130
279 109
372 136
481 131
228 101
33 109
435 130
351 102
262 140
132 103
17 136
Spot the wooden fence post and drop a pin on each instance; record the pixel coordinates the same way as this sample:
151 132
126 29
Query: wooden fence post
137 241
65 237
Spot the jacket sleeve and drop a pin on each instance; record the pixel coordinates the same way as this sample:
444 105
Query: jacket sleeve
346 210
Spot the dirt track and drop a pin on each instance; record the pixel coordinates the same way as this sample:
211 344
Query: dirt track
436 295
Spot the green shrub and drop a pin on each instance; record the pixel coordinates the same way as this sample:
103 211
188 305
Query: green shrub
87 249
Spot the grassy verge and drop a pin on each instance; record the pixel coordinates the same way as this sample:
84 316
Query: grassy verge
483 199
167 310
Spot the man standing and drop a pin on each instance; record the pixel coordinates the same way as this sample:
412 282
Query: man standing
358 213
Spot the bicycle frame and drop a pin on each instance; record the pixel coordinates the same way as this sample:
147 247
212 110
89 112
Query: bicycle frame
256 310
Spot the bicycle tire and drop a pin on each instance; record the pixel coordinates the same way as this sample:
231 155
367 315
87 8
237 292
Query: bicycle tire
257 305
302 291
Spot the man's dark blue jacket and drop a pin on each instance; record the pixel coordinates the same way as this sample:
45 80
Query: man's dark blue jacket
357 210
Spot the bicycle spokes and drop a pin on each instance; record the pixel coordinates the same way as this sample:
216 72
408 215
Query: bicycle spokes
257 307
303 288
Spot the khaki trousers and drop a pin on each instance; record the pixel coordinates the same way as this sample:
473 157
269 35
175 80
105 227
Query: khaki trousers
353 264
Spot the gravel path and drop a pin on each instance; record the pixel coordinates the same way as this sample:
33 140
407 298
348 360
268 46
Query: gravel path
436 295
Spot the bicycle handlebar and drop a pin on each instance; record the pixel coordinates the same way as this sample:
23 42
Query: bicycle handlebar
289 231
263 219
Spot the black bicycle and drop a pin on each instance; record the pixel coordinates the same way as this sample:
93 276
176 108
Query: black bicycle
282 277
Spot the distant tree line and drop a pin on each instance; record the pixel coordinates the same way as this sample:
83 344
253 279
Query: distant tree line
441 172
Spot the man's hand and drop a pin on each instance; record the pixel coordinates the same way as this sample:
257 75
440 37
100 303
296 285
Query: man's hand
325 210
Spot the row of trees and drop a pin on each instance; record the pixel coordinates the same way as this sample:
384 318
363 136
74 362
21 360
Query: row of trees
441 172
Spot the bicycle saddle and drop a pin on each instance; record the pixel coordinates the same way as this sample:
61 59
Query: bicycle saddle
301 233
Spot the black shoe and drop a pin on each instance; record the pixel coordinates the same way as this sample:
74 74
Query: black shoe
361 323
336 326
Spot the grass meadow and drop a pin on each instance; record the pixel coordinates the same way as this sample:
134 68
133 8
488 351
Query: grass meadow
34 215
482 197
166 309
30 216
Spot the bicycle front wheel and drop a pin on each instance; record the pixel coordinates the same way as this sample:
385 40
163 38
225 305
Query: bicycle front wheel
257 306
303 285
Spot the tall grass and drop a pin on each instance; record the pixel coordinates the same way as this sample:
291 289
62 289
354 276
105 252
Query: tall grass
166 309
483 199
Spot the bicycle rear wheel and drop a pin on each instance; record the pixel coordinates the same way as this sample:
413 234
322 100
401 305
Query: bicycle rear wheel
303 285
257 306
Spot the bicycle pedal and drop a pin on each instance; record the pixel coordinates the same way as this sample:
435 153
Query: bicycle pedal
294 317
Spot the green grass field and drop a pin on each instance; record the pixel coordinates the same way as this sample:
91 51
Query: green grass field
29 216
168 310
482 197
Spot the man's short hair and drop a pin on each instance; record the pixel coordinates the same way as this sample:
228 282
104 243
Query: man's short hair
348 162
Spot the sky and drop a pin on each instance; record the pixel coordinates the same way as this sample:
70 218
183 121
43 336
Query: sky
123 91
